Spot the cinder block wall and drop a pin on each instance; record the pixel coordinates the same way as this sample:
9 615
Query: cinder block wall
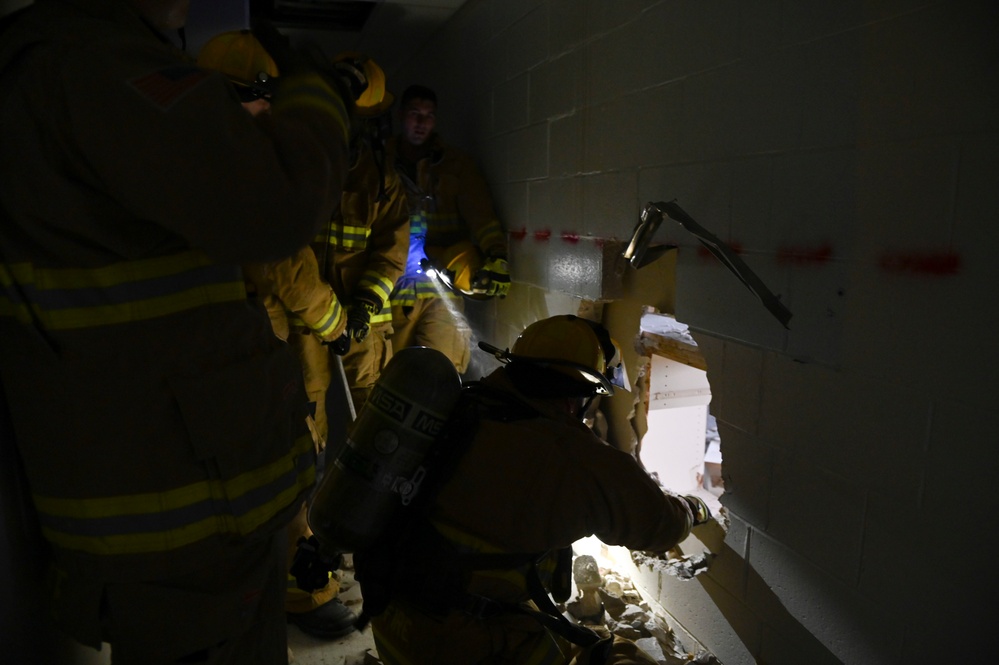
850 152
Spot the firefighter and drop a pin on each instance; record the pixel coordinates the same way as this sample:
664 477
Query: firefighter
304 311
363 248
449 203
470 581
160 422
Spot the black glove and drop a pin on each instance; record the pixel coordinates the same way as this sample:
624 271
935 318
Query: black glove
341 345
358 317
700 509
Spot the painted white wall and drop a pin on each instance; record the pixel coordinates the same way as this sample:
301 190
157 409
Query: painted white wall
850 150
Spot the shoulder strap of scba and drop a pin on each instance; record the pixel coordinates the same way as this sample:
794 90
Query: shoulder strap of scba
414 561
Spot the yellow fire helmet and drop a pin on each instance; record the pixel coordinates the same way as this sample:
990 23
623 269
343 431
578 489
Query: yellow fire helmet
457 265
242 58
576 347
375 100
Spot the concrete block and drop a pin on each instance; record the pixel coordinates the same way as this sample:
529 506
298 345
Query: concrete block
554 207
832 94
555 87
710 297
901 328
975 237
611 139
702 189
737 387
609 205
529 153
821 617
504 15
712 616
802 24
565 147
906 195
567 27
818 514
510 202
760 28
813 207
510 104
747 470
961 455
603 17
587 268
818 297
527 40
845 423
528 260
751 202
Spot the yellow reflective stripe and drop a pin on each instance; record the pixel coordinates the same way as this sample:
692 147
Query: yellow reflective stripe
310 91
121 524
378 284
342 236
68 298
331 319
418 224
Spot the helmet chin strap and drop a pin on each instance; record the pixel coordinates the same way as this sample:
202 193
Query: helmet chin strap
581 413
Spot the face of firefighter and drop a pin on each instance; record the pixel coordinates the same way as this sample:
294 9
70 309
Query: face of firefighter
163 14
418 119
257 106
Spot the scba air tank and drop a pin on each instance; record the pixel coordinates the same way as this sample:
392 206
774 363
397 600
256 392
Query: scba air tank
379 469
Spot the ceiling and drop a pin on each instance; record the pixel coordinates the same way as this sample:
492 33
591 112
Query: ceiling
388 30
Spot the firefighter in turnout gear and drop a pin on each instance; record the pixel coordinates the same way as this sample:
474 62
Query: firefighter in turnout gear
449 203
160 422
470 580
304 311
362 250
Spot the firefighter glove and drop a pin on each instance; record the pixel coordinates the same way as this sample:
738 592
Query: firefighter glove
699 509
341 345
358 319
493 279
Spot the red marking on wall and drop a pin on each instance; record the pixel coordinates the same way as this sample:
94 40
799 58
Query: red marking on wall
921 263
705 254
571 238
801 256
542 235
518 234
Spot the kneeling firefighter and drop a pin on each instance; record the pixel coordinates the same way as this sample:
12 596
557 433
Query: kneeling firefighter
463 573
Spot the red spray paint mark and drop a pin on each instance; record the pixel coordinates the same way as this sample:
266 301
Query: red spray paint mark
802 256
705 254
571 238
542 235
921 263
518 234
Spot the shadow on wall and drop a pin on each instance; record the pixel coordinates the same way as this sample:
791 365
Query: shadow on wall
782 638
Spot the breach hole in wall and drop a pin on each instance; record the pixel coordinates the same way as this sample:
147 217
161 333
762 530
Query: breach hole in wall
681 446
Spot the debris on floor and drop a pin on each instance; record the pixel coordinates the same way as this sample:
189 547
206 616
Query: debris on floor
607 598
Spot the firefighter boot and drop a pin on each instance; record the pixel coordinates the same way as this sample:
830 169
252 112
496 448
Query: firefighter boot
329 621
